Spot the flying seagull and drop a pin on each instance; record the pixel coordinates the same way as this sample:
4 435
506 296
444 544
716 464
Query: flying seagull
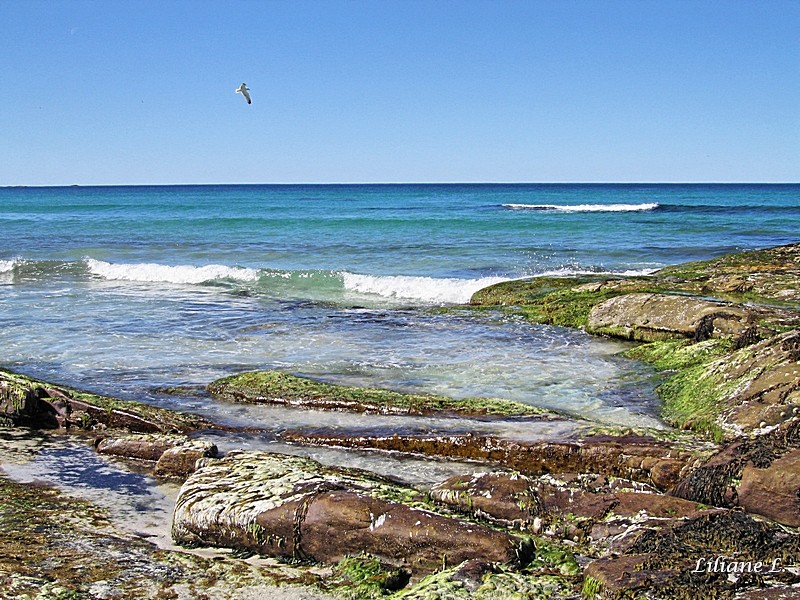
244 91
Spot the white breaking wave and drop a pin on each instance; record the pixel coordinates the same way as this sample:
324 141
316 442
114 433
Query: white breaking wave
426 289
573 272
7 265
585 207
168 274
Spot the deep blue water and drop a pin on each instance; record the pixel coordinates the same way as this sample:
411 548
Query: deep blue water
127 289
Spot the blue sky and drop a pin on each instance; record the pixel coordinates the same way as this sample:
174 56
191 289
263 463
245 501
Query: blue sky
136 92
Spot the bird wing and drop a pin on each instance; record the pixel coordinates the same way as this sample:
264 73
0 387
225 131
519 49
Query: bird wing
246 95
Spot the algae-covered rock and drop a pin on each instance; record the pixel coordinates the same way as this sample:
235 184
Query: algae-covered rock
711 556
291 507
760 474
716 387
509 499
274 387
753 275
31 402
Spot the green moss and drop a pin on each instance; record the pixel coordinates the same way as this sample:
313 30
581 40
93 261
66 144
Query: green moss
592 588
283 388
501 583
364 577
692 395
551 556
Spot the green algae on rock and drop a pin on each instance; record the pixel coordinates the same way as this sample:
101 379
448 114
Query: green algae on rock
274 387
28 401
725 391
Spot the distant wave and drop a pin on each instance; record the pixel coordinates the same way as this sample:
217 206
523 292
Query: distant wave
585 207
425 289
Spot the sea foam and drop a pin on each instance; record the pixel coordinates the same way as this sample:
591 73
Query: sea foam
426 289
168 274
585 207
7 265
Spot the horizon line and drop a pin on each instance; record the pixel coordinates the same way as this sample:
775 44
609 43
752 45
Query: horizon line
397 183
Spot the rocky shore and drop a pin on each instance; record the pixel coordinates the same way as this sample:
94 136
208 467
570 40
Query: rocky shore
709 509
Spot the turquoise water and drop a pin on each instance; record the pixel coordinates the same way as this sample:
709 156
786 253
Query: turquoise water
126 290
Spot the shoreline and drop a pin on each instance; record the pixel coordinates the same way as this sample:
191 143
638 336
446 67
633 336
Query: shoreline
726 334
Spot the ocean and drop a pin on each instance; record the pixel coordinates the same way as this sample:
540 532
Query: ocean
128 291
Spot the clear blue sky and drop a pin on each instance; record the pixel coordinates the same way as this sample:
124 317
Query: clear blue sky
128 92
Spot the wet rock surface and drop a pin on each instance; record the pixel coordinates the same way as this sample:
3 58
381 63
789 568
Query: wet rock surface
274 387
173 455
657 462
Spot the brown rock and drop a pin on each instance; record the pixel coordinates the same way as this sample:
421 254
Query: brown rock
143 447
628 456
505 498
649 317
181 460
760 474
291 507
773 491
338 523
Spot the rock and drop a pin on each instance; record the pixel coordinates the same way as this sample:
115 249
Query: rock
30 402
760 474
678 561
180 461
174 455
143 447
292 507
773 491
508 499
338 523
589 510
650 317
274 387
641 458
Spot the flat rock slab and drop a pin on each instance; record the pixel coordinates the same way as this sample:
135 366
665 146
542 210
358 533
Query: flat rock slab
649 317
275 387
640 458
292 507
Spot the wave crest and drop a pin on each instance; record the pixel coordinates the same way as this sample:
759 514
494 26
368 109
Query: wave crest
585 207
425 289
152 272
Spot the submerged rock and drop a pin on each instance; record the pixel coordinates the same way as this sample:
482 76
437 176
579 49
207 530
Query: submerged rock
274 387
295 508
